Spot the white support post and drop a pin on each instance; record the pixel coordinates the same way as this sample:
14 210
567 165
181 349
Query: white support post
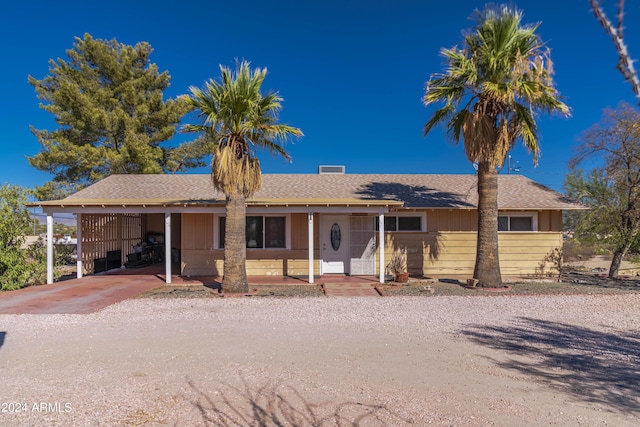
381 244
167 246
79 271
310 230
49 249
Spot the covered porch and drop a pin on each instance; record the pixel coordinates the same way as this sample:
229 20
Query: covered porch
340 238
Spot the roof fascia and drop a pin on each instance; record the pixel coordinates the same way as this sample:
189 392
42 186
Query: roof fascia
216 210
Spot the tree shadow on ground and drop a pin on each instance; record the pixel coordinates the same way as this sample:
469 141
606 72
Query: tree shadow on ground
590 365
600 281
281 405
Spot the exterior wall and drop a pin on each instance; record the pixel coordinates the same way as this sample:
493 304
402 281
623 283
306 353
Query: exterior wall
299 232
550 221
447 248
199 258
280 262
440 220
453 253
259 263
154 223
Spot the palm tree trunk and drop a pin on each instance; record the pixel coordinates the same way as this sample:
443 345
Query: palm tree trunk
487 268
235 249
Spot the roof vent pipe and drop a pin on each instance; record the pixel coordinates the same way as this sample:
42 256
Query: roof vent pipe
323 169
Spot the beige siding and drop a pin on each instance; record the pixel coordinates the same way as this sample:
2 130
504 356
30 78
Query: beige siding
198 258
154 223
201 262
280 262
448 249
453 253
300 231
451 220
441 220
556 221
197 231
299 234
259 263
550 221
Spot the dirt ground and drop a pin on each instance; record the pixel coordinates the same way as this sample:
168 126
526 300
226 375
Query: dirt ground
494 360
537 353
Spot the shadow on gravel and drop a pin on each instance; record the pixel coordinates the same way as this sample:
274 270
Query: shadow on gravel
594 366
278 405
598 281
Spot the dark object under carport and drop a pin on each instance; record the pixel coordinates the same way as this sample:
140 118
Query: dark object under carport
111 261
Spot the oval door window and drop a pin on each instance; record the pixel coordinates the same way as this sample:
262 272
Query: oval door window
335 236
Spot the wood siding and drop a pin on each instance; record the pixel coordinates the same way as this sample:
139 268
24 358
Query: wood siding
197 231
442 220
447 249
198 258
451 220
300 231
453 253
265 262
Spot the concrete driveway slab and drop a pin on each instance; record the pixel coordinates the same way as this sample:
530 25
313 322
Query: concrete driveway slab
76 296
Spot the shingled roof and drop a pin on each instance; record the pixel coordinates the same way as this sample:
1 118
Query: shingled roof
407 190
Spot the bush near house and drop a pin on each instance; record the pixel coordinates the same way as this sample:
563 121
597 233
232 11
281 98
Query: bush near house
18 267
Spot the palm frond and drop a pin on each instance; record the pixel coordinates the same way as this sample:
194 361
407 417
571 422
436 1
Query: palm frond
493 84
235 114
439 117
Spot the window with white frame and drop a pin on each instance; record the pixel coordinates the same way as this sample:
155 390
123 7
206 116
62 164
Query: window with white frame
404 222
262 231
518 221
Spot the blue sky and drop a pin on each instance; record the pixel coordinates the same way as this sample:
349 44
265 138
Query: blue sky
352 72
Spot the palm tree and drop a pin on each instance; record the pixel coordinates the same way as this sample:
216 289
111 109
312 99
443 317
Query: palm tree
491 89
237 118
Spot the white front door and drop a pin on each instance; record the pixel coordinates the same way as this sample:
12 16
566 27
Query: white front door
334 244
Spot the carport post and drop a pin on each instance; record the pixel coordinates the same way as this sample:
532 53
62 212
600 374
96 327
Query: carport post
310 230
79 246
381 244
167 246
49 249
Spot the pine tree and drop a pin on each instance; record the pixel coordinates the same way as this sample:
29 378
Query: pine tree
107 99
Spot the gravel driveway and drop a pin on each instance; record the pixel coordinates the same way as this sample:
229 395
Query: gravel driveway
463 361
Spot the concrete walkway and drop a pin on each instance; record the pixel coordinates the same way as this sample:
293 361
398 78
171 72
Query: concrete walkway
350 289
